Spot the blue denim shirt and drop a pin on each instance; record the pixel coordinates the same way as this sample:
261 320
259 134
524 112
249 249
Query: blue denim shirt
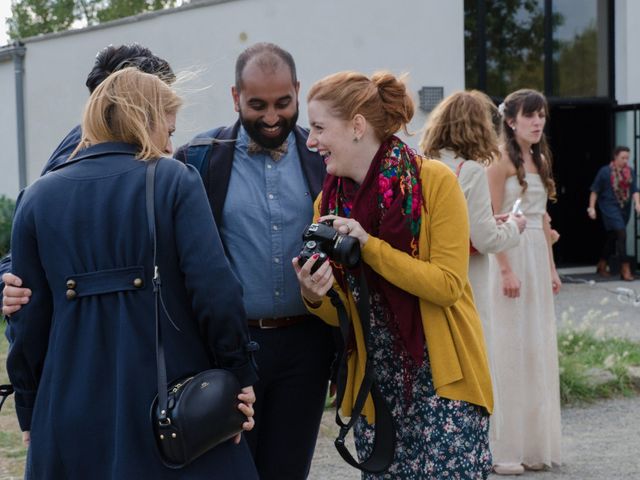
267 207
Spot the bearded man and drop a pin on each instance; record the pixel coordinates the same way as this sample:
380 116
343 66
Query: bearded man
261 181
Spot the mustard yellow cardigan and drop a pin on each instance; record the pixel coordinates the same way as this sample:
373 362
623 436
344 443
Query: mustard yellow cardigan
452 328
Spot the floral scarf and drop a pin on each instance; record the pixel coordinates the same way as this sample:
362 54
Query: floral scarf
621 183
388 205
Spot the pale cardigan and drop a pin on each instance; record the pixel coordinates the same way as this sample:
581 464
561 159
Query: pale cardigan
452 328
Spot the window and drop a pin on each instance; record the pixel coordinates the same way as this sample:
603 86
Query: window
580 48
559 47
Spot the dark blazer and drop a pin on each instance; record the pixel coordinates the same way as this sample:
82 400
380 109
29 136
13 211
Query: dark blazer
220 160
83 354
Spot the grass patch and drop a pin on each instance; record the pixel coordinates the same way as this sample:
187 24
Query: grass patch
12 452
583 349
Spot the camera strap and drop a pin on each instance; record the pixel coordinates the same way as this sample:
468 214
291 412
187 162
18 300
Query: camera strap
5 392
383 450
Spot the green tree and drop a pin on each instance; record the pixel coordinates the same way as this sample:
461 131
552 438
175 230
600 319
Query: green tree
514 35
7 206
576 65
34 17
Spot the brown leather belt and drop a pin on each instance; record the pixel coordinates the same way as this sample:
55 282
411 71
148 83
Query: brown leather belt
277 322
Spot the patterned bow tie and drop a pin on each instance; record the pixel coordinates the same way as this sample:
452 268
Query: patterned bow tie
276 153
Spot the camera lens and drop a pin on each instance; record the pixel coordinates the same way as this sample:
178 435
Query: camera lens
346 250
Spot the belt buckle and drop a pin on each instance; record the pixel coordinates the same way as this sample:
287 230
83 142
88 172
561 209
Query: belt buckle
263 326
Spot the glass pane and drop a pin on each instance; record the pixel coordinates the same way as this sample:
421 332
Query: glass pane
515 45
628 134
471 47
580 48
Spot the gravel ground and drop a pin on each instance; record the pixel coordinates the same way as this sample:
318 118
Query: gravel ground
600 441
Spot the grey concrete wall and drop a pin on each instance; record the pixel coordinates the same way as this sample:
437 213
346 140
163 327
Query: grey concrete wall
9 155
627 48
423 38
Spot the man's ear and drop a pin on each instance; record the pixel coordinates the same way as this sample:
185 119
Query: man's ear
236 98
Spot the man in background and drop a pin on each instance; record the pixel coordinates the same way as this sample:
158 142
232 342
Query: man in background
613 189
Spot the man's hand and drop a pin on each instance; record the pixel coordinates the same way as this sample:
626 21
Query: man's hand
247 398
13 295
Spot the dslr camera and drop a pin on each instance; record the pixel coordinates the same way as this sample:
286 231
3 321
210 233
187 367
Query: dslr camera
323 239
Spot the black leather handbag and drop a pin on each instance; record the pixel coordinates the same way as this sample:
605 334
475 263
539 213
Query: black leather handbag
194 414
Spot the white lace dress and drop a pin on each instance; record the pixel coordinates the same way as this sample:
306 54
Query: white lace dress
525 351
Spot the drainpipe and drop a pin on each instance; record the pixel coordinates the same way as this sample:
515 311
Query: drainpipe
18 65
17 51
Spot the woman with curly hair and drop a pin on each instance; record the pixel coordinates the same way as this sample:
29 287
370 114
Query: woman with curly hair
460 133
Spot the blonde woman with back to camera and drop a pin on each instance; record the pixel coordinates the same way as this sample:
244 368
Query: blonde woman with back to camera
460 133
523 282
427 348
83 350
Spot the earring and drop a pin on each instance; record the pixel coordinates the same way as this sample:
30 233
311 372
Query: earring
513 128
355 139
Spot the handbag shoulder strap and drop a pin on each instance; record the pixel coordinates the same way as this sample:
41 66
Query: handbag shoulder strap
5 392
383 450
157 284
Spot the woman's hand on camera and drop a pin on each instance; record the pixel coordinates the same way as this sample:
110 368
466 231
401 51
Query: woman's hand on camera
348 226
314 286
247 398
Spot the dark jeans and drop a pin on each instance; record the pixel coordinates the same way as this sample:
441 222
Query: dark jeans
294 365
616 244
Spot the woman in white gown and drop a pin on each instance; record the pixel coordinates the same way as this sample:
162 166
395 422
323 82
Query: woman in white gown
523 282
460 133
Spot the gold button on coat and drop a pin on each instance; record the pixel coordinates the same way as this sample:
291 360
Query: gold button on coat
71 283
137 282
71 294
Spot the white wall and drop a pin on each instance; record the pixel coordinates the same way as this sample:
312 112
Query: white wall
8 134
424 38
627 42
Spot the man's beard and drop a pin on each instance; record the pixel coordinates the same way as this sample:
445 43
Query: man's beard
253 129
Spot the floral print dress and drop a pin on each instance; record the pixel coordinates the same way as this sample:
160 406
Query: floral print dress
436 438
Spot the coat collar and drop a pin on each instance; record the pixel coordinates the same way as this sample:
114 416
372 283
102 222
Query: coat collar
99 150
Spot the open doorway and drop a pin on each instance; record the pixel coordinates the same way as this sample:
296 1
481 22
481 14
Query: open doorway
580 136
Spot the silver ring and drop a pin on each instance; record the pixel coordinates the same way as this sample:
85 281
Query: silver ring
314 280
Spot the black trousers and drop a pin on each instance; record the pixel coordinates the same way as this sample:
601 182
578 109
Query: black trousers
616 244
294 365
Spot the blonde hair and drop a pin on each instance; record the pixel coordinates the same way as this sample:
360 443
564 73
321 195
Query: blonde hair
382 100
128 107
463 123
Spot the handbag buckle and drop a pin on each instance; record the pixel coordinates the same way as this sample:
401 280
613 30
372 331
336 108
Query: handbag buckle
164 422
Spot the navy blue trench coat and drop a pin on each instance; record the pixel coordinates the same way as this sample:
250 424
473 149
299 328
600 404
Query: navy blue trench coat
82 359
